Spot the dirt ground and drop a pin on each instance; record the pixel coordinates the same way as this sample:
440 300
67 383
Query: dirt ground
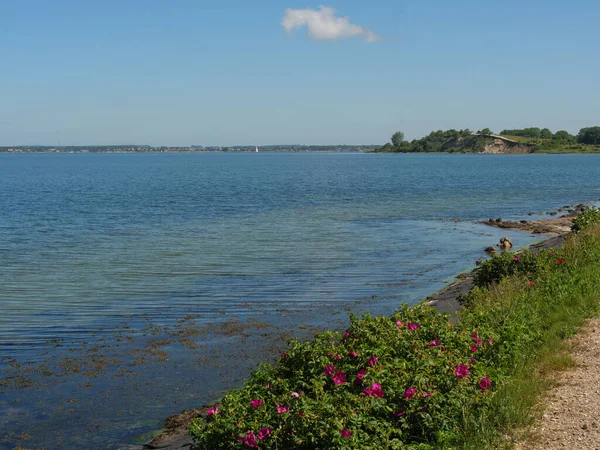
571 418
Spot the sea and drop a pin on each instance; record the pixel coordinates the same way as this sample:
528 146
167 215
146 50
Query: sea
135 286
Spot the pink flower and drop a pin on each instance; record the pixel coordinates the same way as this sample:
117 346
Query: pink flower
409 393
346 335
472 360
283 355
213 410
352 354
560 261
295 394
250 440
517 258
489 341
399 324
427 395
473 348
485 383
374 391
346 433
268 385
339 377
256 403
360 375
336 356
435 343
372 361
477 262
300 413
283 409
413 326
265 432
462 371
399 413
329 370
477 339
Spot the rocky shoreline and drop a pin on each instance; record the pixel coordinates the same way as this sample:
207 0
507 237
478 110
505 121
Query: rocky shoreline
175 436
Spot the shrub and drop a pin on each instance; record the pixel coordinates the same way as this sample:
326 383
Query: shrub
586 219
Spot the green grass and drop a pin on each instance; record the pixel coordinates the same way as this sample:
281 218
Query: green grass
555 308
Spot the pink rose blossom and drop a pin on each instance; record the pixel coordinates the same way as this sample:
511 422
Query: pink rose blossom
211 411
339 377
346 433
473 348
336 356
462 371
472 360
399 413
399 324
250 440
374 391
434 343
489 341
477 339
517 258
265 432
295 394
283 409
485 383
409 393
256 403
360 375
346 335
427 395
372 361
352 354
329 370
413 326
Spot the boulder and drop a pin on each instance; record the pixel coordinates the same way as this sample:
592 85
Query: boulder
505 243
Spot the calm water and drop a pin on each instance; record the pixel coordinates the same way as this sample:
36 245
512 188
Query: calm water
133 286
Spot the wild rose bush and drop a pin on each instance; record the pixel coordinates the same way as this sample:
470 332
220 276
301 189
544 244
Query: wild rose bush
586 219
523 264
388 382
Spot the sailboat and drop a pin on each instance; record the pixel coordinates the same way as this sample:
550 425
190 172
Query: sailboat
257 149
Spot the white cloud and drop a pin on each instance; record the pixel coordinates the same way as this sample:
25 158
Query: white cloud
324 25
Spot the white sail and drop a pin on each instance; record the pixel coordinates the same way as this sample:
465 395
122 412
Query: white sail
257 149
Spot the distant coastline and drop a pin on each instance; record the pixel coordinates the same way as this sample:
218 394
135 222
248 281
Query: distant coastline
518 141
185 149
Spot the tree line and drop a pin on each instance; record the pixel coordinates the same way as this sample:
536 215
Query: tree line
445 141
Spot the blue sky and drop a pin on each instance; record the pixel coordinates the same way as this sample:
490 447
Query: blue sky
194 72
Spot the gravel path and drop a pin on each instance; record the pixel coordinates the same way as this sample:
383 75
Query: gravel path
572 409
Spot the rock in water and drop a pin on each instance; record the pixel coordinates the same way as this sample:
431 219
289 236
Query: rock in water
505 243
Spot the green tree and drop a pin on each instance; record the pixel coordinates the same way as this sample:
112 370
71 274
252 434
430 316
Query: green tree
564 136
397 138
546 133
589 135
486 131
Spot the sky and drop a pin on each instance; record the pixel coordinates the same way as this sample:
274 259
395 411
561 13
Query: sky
235 72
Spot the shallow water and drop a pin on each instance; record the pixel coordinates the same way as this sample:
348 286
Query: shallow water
137 285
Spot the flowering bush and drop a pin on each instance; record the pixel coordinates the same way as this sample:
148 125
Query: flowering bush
506 264
405 379
587 218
